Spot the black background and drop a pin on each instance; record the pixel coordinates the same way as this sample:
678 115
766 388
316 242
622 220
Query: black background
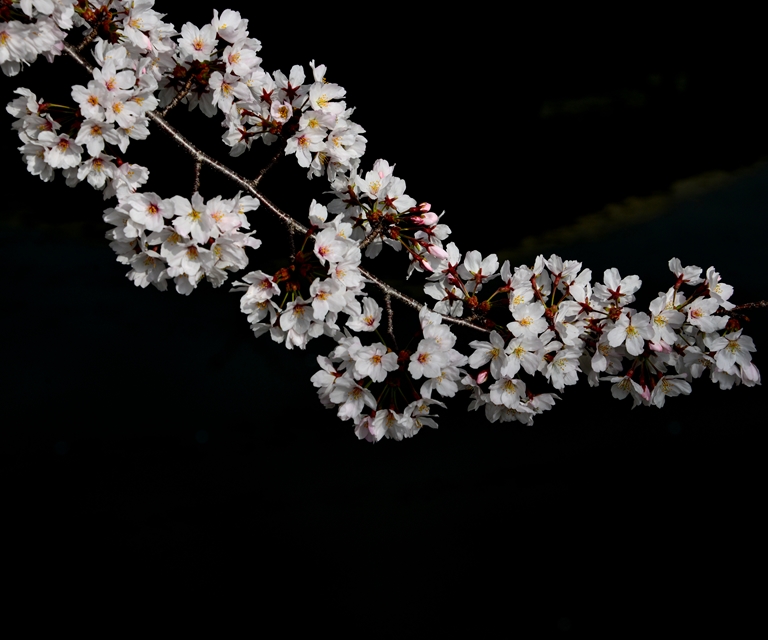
151 429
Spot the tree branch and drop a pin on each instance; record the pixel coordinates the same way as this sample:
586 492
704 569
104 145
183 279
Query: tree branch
762 304
179 96
90 37
203 158
267 167
196 186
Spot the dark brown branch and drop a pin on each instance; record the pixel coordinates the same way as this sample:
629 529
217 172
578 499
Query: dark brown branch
415 304
89 37
198 166
74 53
762 304
375 233
390 316
179 96
297 227
249 185
738 310
291 239
266 168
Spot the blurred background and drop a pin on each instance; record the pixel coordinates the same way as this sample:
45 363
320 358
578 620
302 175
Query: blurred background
152 426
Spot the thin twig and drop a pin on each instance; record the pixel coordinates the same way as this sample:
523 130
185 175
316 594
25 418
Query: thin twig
762 304
390 324
375 233
415 304
295 226
179 96
198 166
89 37
75 54
268 166
291 239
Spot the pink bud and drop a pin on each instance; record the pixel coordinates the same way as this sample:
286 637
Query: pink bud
438 252
425 206
428 219
750 373
659 347
482 376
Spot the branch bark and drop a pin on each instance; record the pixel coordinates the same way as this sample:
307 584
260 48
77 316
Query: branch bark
250 186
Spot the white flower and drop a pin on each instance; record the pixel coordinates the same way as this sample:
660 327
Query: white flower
699 315
194 219
322 93
623 386
261 287
227 88
197 44
445 384
112 80
416 415
61 151
529 320
374 361
331 247
297 315
492 352
149 209
669 386
91 100
632 331
732 348
351 398
369 319
719 290
475 268
304 143
665 320
94 133
185 258
121 109
327 295
230 26
97 170
617 289
240 60
563 368
507 392
428 360
325 379
522 352
688 275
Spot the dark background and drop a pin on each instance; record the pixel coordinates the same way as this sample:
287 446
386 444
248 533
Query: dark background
148 428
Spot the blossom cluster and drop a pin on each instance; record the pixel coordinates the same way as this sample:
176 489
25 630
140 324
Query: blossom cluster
346 375
563 325
40 31
322 284
186 240
547 323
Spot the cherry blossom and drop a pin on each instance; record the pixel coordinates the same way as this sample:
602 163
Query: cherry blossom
542 325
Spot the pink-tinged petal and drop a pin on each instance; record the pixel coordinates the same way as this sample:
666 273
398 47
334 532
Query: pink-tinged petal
438 252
